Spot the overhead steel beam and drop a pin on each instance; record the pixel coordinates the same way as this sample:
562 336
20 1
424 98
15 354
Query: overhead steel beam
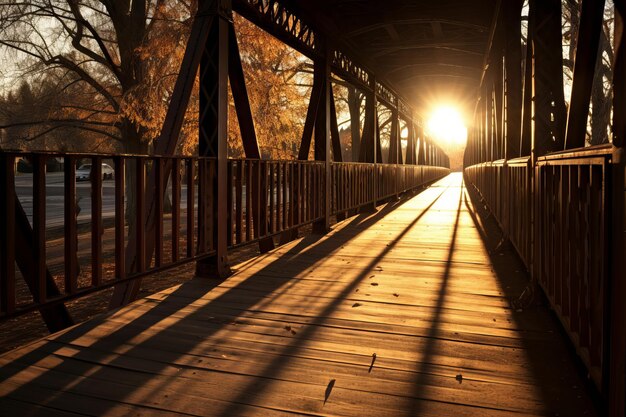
277 19
417 21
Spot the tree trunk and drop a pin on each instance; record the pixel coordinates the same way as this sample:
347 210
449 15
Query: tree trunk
136 146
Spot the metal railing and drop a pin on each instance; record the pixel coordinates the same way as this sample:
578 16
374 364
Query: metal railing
506 188
270 197
63 238
556 215
67 238
357 184
571 247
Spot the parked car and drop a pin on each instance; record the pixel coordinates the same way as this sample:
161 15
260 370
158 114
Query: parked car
83 173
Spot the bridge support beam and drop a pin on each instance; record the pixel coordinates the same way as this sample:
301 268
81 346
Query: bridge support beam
591 21
213 125
549 103
513 78
323 134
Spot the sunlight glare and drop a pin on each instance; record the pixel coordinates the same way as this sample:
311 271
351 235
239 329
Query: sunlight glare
447 127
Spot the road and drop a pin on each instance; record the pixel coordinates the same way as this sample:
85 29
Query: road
55 198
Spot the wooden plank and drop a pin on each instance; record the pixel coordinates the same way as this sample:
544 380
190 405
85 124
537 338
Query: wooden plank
411 283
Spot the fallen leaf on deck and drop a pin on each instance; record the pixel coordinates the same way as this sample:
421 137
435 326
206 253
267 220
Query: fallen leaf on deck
288 328
372 364
329 389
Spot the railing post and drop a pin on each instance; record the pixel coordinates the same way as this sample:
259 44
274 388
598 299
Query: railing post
617 283
368 143
213 135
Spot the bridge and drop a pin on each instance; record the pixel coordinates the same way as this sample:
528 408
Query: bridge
384 285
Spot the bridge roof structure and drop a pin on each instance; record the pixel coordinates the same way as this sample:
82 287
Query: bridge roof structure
424 50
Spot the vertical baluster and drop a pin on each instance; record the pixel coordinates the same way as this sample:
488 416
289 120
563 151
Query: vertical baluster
350 185
39 227
249 167
272 197
140 193
258 220
229 203
314 199
263 198
292 194
157 165
286 191
120 184
306 194
279 193
70 232
191 176
175 223
204 205
301 193
295 193
238 200
209 219
96 221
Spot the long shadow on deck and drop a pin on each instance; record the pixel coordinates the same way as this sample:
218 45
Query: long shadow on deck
108 391
421 381
556 369
184 323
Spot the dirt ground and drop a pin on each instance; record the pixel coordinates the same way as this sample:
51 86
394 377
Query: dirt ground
30 327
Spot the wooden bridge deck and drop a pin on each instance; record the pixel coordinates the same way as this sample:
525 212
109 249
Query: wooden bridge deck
395 313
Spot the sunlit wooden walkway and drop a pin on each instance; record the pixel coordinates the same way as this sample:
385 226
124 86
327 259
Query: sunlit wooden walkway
395 313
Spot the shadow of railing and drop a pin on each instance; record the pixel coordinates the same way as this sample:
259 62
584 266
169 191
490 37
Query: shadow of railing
185 309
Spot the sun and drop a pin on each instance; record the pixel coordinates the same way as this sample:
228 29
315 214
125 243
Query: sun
447 127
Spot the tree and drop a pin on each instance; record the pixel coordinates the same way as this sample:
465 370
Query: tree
279 81
99 48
